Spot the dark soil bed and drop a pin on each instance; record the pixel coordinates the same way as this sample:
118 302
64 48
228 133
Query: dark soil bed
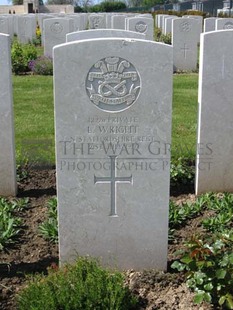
32 254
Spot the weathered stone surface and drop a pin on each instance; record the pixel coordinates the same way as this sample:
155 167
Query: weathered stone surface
103 33
7 145
214 170
209 24
26 28
118 21
142 25
184 42
223 23
113 130
97 21
55 31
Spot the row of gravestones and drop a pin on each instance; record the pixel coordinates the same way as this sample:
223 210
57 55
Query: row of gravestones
24 26
113 107
185 34
185 31
164 22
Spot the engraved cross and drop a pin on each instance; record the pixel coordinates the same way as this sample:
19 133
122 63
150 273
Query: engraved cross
113 180
185 49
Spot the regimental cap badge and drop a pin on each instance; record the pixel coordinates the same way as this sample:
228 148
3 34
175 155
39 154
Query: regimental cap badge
141 27
113 84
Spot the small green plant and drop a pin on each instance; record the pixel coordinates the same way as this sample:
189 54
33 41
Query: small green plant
49 229
221 217
84 285
21 173
209 266
160 37
179 214
21 54
9 222
219 222
181 172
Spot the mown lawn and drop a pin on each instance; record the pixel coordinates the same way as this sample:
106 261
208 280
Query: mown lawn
34 117
184 115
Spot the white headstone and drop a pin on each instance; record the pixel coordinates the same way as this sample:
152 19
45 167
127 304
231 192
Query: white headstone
223 23
102 33
55 30
4 25
214 170
77 21
97 21
26 28
168 24
141 25
113 123
184 42
163 18
199 26
209 24
7 155
118 21
109 20
159 19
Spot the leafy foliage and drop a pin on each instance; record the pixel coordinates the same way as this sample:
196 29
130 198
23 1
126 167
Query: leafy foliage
209 266
223 213
17 2
208 260
179 214
21 173
84 285
21 54
107 6
9 222
181 171
160 37
49 229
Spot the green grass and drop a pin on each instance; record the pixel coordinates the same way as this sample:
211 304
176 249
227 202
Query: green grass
184 115
34 117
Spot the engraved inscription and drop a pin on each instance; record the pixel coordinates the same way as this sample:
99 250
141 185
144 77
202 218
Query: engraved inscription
185 49
141 27
113 180
228 25
113 84
96 22
185 26
56 27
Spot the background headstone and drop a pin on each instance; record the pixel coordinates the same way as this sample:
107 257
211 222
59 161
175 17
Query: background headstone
168 24
102 33
8 183
55 30
214 163
118 21
97 21
141 25
223 23
199 20
209 24
184 42
4 25
111 121
26 28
